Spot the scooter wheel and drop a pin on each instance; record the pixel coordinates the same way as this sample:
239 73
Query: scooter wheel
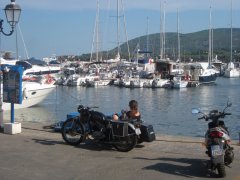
221 170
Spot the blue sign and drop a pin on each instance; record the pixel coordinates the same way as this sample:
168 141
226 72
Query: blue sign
12 84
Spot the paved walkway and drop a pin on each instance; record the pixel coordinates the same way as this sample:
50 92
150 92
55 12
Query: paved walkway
39 154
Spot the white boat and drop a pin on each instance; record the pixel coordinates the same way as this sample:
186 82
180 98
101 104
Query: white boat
231 71
136 83
101 82
179 83
121 82
33 94
148 83
159 83
209 74
88 80
8 61
34 69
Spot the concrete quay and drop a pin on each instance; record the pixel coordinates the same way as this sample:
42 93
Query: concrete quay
41 154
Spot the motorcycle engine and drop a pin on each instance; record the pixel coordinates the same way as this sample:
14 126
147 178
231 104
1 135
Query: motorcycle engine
97 135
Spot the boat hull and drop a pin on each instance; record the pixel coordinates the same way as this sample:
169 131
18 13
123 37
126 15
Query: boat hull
232 73
207 79
33 94
181 84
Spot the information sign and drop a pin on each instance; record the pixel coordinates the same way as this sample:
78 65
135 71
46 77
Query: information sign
12 84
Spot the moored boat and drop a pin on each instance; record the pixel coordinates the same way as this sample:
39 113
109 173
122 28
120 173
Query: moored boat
33 94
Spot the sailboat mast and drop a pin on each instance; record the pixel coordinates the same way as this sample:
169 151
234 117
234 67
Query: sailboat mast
231 58
179 58
97 30
95 41
125 28
162 30
147 48
210 38
118 43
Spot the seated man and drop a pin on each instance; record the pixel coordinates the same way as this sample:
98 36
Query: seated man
132 114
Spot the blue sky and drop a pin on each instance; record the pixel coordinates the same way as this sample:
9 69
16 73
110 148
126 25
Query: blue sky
65 27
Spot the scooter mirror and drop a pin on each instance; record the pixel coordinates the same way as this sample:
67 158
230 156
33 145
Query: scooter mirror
195 111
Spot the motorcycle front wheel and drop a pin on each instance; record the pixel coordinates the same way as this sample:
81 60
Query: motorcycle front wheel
72 132
126 143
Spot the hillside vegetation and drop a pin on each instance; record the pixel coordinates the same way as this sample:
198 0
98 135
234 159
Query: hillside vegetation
193 45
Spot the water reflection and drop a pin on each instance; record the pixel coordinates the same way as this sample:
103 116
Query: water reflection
169 110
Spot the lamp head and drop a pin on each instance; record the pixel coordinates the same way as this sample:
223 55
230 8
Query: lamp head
12 12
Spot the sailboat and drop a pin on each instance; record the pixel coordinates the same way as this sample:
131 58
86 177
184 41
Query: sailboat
95 41
231 71
178 80
209 75
118 57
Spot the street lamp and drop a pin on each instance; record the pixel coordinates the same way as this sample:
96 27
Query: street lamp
12 12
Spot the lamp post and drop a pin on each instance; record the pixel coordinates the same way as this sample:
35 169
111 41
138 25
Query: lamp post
12 12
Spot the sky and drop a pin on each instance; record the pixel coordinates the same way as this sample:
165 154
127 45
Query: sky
66 27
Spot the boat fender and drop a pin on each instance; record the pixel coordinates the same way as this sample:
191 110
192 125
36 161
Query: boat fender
25 95
48 79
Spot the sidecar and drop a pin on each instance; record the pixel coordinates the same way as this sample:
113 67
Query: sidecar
147 133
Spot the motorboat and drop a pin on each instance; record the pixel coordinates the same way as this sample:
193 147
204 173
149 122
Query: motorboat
178 82
33 94
136 83
208 75
8 61
159 83
148 83
39 68
97 83
232 71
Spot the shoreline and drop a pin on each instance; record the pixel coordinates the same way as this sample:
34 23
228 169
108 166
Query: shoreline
29 127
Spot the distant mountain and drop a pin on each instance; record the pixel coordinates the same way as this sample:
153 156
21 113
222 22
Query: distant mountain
193 45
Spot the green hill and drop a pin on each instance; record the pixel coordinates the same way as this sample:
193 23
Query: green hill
193 45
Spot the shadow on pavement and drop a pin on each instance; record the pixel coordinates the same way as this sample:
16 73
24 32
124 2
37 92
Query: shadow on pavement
96 146
93 146
184 167
88 145
47 141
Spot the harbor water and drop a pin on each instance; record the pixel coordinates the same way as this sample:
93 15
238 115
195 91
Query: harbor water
168 110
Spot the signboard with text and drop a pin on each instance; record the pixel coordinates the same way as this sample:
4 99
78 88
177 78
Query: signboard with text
12 84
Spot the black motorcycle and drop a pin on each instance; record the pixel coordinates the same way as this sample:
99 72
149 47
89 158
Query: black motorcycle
217 140
95 126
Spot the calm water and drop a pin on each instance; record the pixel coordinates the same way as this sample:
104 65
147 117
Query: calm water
169 111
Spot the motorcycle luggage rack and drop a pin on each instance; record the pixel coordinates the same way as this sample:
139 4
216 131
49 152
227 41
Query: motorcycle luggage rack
120 128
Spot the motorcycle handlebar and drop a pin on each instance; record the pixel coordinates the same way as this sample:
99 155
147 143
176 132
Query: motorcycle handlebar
202 118
207 117
228 113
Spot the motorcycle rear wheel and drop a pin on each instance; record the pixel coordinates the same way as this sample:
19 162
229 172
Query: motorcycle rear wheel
128 143
221 170
72 132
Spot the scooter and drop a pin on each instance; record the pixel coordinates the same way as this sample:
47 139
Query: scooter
217 140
